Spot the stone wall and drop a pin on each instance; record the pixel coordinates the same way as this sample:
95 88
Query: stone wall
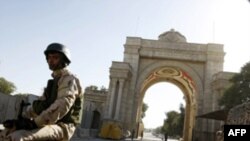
9 106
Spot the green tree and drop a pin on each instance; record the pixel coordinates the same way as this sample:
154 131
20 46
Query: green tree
179 130
171 123
239 91
144 109
6 86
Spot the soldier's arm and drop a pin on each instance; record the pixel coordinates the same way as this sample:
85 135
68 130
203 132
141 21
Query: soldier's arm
29 111
66 95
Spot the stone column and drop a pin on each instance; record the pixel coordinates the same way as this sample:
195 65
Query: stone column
112 91
118 105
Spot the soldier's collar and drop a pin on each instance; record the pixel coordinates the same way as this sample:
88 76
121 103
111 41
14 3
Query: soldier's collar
59 73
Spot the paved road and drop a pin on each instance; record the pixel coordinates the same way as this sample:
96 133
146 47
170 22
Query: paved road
150 137
147 137
98 139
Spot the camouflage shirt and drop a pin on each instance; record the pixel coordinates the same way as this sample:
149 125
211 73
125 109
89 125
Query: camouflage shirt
68 89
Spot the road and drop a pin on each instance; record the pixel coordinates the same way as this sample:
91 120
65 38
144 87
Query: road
147 137
150 137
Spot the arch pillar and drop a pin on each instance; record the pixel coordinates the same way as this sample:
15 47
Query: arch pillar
112 95
119 77
118 105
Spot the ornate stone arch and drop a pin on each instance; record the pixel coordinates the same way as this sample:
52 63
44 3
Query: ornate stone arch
190 66
177 73
145 72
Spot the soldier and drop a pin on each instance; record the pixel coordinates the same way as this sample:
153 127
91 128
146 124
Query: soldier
54 115
133 135
166 136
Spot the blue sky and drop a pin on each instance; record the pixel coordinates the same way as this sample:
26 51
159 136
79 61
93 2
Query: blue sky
95 31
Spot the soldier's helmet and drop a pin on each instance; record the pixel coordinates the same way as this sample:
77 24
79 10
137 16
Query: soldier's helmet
57 47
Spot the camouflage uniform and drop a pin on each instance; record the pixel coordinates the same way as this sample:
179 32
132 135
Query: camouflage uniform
50 126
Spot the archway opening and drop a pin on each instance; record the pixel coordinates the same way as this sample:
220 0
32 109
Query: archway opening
184 82
161 98
96 120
